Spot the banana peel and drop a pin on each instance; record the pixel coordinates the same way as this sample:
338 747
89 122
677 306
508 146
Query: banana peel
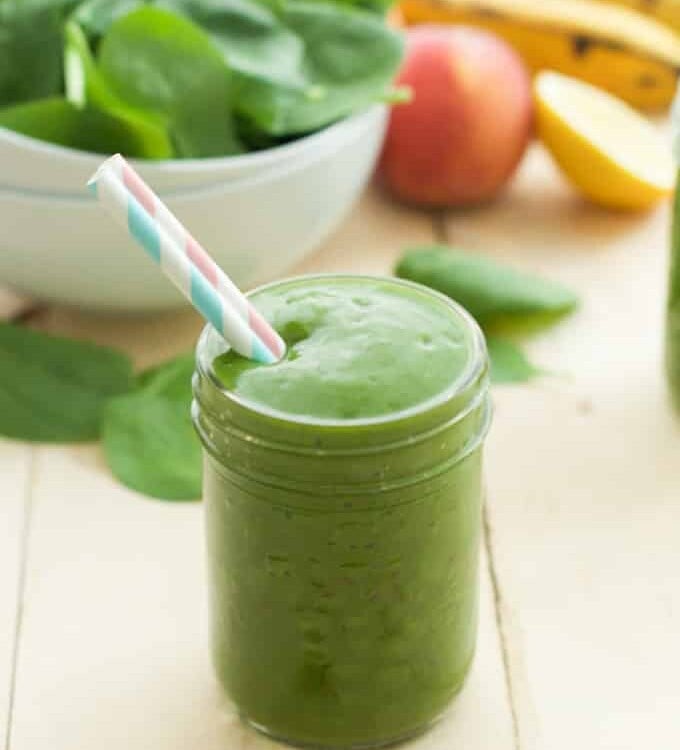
631 55
664 11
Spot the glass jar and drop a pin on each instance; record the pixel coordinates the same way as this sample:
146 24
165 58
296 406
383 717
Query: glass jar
343 555
673 309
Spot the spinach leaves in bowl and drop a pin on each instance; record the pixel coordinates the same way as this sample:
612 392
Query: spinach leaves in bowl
190 78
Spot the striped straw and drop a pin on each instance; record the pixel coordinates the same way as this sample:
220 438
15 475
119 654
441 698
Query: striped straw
177 264
212 272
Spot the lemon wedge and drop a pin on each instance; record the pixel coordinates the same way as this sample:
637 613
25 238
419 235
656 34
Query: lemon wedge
613 155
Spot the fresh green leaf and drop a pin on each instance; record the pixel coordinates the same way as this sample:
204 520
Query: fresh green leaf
54 389
151 447
85 86
255 43
350 59
58 121
171 379
161 63
96 16
509 364
491 292
30 49
255 139
298 65
149 441
374 6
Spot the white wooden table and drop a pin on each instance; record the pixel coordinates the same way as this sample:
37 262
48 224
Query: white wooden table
102 611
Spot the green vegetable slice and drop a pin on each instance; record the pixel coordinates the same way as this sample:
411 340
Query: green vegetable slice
54 389
158 62
149 441
58 121
509 364
491 292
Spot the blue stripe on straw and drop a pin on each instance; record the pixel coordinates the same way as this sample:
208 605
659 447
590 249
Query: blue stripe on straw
261 353
206 300
143 228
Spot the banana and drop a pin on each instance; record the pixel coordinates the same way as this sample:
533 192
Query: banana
629 54
666 11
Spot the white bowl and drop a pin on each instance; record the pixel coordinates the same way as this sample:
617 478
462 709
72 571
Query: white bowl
68 250
31 164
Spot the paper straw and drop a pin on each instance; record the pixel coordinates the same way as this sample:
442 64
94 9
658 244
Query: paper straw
177 265
212 272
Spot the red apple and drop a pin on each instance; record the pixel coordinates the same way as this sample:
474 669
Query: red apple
462 136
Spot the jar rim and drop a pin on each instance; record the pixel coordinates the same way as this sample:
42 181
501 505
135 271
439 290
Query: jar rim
211 344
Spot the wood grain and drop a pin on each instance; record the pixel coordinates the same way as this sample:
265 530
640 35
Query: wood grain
114 644
15 474
584 478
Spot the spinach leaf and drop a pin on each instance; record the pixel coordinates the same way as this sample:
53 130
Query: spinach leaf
298 65
171 379
350 59
150 446
85 86
58 121
30 49
509 364
254 139
148 438
96 16
491 292
374 6
160 63
254 42
496 296
54 389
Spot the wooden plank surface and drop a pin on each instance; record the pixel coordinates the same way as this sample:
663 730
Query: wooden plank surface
584 493
113 644
584 476
15 465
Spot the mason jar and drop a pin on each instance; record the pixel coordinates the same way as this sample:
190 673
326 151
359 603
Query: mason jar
673 307
343 554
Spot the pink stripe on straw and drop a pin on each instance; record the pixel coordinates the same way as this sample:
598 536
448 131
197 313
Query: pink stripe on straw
197 254
139 189
201 259
264 331
147 198
210 270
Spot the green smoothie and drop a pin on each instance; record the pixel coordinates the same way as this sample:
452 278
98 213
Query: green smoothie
343 494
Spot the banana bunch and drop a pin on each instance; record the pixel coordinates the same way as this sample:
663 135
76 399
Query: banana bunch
666 11
627 53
